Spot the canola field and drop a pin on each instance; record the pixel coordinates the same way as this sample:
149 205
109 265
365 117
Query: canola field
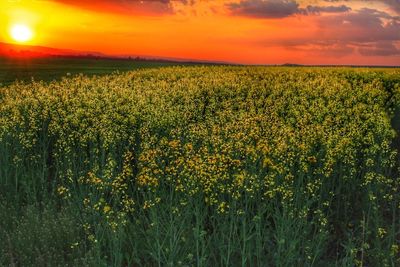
202 166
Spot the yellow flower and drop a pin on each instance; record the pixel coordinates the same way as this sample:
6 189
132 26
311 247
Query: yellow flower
381 232
106 209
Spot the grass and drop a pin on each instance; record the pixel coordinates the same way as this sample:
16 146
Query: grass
49 69
202 166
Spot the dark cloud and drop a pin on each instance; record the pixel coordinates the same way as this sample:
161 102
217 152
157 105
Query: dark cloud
380 49
326 9
369 32
365 25
279 8
393 4
264 9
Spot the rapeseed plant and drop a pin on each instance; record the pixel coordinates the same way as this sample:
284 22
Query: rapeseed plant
248 166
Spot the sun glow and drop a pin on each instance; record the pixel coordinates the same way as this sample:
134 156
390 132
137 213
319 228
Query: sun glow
21 33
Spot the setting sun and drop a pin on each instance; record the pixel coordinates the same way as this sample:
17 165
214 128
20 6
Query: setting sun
21 33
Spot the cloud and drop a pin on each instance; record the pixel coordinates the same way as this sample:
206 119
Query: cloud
279 8
327 9
364 25
371 32
368 32
264 9
380 49
141 7
393 4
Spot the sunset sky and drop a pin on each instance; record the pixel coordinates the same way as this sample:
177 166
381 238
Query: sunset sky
239 31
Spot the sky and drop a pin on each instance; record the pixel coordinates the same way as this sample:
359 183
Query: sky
356 32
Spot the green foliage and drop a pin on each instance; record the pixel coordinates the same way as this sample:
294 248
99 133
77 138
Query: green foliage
38 236
210 166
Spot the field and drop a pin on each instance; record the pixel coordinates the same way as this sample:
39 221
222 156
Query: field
49 69
202 166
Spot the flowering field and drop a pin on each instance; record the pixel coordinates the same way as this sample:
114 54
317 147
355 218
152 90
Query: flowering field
202 166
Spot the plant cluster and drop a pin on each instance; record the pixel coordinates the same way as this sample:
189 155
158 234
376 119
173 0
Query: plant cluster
204 166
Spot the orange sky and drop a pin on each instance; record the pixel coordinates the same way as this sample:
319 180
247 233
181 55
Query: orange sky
241 31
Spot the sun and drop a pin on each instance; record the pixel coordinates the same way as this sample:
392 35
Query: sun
21 33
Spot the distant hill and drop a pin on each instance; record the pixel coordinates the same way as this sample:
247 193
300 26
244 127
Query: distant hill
8 50
15 51
291 65
22 62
